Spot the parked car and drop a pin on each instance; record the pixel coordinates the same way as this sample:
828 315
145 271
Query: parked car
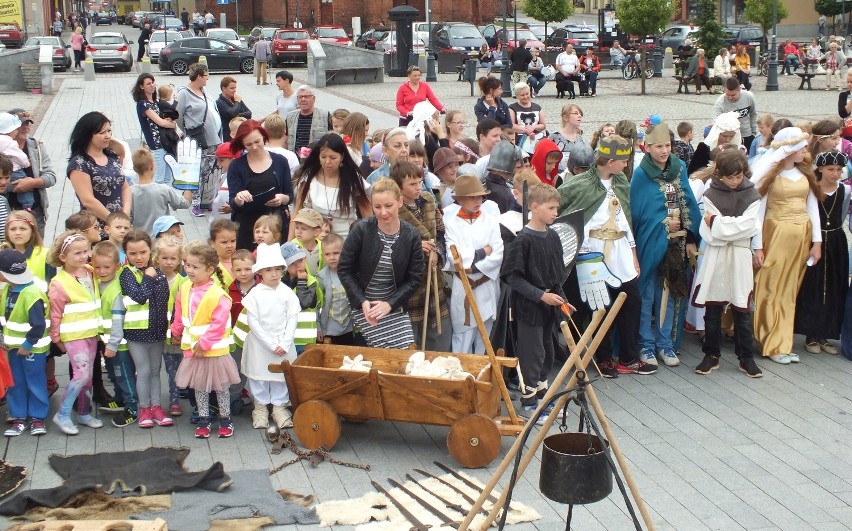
458 37
224 34
159 40
675 36
222 56
580 37
161 22
332 34
522 34
290 44
369 38
110 49
388 44
61 55
259 32
421 29
538 30
11 34
489 32
103 19
750 36
138 17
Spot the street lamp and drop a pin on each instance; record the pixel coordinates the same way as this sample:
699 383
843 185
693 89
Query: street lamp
772 66
505 76
430 59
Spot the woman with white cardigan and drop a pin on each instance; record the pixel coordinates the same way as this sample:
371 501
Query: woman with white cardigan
722 66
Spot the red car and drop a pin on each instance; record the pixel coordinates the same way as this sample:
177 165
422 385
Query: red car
332 34
11 34
289 44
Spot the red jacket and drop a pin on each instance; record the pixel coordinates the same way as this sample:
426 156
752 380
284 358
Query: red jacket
543 148
596 63
406 98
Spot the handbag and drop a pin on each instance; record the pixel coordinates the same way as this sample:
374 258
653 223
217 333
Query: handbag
197 132
549 72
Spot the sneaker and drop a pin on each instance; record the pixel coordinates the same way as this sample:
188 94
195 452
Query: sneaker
146 420
783 359
159 416
18 426
65 424
202 431
226 428
195 417
111 407
609 368
669 357
125 418
637 367
749 366
794 358
175 410
647 356
102 397
37 427
528 411
197 212
707 365
90 421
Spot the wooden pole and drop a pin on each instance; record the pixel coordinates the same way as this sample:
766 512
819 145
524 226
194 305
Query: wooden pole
426 305
436 278
578 364
496 368
622 463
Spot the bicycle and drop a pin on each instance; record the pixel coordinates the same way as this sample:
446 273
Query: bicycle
631 69
763 64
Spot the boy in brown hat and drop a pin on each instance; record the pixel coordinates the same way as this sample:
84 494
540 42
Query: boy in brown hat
476 235
446 165
307 226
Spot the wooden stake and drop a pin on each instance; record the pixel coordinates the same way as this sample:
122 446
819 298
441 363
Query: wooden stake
575 361
426 305
496 368
436 276
569 340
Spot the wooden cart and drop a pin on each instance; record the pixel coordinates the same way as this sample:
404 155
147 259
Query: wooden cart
321 392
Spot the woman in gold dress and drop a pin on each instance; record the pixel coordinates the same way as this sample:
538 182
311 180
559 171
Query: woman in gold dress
790 239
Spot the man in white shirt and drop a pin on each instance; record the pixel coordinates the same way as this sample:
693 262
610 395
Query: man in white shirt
567 64
488 133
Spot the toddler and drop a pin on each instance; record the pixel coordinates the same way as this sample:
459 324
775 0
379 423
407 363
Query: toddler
220 208
335 319
301 281
152 200
682 146
307 225
244 280
267 229
116 227
223 238
168 253
9 126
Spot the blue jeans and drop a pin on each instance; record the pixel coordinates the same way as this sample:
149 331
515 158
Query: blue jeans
791 60
162 171
536 84
28 397
26 199
122 373
652 336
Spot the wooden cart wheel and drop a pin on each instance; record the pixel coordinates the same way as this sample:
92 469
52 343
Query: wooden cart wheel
474 441
316 424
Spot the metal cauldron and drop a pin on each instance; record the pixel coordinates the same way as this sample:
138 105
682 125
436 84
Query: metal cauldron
574 468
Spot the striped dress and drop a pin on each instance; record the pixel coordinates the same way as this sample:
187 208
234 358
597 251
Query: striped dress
393 330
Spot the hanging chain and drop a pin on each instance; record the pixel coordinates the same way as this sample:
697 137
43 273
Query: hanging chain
323 453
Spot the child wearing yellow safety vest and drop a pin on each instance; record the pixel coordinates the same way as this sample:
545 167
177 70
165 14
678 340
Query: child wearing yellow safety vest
22 235
24 321
306 287
74 324
203 324
168 252
244 281
119 364
146 299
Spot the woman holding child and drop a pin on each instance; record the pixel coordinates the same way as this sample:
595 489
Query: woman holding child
145 95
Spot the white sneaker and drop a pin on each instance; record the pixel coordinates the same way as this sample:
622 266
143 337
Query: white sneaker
65 424
669 357
783 359
648 357
90 421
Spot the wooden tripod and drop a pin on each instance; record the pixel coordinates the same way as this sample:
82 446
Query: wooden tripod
577 361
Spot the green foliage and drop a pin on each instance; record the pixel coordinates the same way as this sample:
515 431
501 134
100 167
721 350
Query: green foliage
641 18
549 10
710 35
760 13
830 8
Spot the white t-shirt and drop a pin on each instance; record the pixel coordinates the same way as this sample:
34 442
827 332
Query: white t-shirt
292 159
285 104
568 62
621 256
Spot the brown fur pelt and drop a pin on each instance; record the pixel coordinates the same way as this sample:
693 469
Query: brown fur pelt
242 524
95 505
305 500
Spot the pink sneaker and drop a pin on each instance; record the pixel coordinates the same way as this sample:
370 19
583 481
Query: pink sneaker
175 410
146 420
159 416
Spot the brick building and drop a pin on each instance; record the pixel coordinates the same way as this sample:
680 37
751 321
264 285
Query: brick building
341 12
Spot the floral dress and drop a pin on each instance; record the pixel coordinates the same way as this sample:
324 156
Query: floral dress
107 180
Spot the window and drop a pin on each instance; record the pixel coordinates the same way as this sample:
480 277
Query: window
194 43
331 33
464 31
218 46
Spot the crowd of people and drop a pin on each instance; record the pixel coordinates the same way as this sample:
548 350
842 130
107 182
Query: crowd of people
345 235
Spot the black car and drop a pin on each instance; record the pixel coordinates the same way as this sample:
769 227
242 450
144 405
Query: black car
750 36
580 37
221 56
369 38
103 19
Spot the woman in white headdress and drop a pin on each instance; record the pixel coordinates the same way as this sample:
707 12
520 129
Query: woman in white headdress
726 129
790 239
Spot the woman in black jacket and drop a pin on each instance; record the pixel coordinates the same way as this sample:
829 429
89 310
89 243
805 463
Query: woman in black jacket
381 266
258 183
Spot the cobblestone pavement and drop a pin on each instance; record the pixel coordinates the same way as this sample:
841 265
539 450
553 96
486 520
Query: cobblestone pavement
708 452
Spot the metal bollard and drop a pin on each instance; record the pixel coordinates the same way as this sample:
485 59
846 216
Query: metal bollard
470 73
145 65
202 59
88 70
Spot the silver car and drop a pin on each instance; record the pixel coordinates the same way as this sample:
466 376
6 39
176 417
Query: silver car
61 56
159 40
110 49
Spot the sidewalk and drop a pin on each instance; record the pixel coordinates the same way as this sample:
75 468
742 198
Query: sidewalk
707 452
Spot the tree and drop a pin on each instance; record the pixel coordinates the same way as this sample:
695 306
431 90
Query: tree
831 8
641 18
710 34
549 10
760 12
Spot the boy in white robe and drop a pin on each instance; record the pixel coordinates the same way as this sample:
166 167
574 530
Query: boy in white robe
476 235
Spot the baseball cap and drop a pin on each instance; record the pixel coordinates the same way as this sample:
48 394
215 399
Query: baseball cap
22 114
292 253
223 151
164 223
309 217
8 123
13 266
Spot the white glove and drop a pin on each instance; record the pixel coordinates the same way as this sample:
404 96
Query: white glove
187 168
593 276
